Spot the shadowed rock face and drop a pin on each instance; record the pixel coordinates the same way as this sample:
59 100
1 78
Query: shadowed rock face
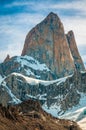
74 50
64 93
48 44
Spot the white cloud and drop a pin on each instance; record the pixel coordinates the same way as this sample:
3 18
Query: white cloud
12 50
78 25
51 5
19 3
84 59
79 6
71 5
13 31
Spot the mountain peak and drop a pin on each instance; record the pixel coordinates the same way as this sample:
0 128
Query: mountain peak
71 33
48 44
7 58
52 17
74 50
52 14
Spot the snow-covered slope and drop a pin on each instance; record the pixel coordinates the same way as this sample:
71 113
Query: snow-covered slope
84 60
82 123
14 99
85 64
79 111
34 81
58 91
32 63
27 66
78 115
14 85
1 79
75 113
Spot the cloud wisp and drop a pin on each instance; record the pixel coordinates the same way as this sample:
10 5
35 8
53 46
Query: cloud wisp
74 7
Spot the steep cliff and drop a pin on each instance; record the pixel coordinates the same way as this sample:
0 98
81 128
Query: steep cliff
48 44
74 50
56 93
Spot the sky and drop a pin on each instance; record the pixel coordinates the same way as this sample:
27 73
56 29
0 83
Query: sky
18 17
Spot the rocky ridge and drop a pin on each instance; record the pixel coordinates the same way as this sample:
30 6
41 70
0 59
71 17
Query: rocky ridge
27 66
7 58
56 93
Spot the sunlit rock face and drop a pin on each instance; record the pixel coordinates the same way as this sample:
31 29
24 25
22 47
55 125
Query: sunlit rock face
74 50
48 43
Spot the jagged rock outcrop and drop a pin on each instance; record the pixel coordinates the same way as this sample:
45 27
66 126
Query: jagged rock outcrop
30 116
47 43
27 66
74 50
58 92
7 58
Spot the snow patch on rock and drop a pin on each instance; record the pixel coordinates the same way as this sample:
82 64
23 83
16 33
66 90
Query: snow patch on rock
14 100
32 63
1 79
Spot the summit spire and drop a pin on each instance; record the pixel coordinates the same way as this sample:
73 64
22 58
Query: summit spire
48 44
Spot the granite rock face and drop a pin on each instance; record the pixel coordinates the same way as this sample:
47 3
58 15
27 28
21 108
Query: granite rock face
48 43
74 50
58 92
